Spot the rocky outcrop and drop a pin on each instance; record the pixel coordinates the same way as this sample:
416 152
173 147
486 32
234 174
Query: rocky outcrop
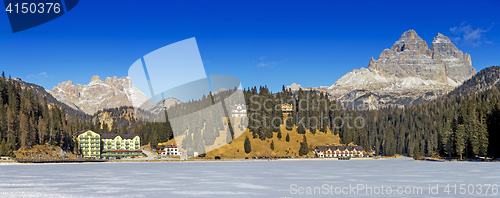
294 87
406 74
163 105
97 95
410 57
484 79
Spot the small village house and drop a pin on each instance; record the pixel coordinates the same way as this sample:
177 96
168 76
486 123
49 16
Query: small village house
168 150
238 110
338 151
287 109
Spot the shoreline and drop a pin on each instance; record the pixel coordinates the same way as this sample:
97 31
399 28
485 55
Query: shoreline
197 160
244 160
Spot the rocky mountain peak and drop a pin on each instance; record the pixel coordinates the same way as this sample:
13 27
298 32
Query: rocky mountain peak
294 86
98 95
410 57
410 41
163 104
442 45
96 79
407 73
440 38
110 80
66 84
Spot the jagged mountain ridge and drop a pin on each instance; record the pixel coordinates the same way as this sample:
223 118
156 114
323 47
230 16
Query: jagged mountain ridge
109 94
41 93
484 79
408 73
97 94
163 104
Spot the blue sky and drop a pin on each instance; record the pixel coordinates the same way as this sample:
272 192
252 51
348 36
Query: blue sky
272 43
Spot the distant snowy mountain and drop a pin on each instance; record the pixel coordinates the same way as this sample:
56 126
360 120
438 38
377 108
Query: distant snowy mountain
97 95
409 73
162 105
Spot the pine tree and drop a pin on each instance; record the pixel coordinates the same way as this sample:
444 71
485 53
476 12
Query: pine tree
483 137
304 149
279 134
272 145
287 139
247 145
24 130
3 148
289 124
460 140
447 139
416 151
301 129
11 126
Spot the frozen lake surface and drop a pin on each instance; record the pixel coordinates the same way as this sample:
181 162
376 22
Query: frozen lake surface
324 178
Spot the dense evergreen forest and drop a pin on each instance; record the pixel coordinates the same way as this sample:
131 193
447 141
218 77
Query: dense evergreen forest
26 120
453 126
457 125
463 124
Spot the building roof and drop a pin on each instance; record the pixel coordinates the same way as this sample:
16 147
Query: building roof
235 107
121 150
109 135
341 148
83 131
113 135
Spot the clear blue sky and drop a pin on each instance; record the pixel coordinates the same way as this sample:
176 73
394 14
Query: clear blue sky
272 43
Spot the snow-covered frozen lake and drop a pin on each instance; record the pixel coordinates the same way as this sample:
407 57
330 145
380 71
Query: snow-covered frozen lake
355 178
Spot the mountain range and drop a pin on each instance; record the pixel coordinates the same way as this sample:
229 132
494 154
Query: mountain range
408 73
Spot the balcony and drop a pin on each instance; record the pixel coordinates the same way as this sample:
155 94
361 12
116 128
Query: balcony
136 143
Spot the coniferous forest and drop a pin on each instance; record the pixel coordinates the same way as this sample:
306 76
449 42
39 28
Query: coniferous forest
458 125
462 126
27 120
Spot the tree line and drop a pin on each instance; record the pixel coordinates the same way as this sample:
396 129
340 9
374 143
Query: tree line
27 119
457 125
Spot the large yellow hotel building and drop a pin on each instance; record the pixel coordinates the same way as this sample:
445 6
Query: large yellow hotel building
108 145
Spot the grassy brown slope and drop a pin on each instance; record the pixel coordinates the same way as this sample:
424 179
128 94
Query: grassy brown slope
282 148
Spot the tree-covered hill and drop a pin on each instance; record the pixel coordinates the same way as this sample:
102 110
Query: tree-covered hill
482 80
462 124
27 118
